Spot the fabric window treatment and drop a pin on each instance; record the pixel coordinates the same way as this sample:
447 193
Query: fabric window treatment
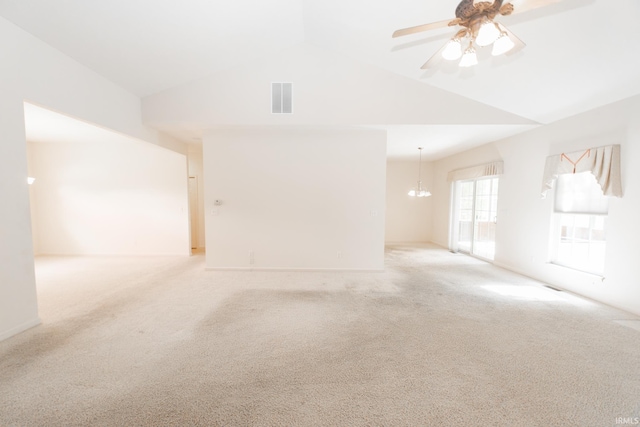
602 162
489 169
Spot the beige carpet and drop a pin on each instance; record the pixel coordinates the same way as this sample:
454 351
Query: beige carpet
438 340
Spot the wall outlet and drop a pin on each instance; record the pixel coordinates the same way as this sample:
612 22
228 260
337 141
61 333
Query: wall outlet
252 257
373 212
339 254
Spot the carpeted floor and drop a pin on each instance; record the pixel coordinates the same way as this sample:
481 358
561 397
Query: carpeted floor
439 339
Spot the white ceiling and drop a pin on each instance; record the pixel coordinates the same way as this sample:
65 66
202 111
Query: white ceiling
579 53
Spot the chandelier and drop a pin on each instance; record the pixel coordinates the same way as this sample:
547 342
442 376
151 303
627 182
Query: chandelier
419 191
478 30
482 34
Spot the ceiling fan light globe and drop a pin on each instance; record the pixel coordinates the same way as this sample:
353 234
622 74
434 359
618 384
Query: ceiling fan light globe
412 193
453 50
503 45
469 58
487 34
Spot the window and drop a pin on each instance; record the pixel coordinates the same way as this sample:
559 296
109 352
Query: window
580 220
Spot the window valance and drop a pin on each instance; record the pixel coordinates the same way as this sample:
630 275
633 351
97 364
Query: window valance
490 169
602 162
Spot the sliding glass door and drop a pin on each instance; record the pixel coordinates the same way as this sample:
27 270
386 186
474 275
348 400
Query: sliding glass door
475 217
466 214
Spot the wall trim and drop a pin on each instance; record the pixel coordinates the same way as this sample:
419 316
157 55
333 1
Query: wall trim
20 328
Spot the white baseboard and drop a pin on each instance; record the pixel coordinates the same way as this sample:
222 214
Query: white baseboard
404 243
21 328
413 244
303 270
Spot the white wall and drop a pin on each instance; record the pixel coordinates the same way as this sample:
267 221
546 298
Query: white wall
32 70
114 196
18 305
295 198
408 219
523 232
196 169
328 89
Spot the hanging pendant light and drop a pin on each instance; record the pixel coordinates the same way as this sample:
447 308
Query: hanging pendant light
453 50
488 33
419 191
469 59
503 45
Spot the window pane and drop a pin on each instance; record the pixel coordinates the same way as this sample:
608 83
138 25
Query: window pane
466 189
482 216
482 203
466 203
599 221
582 221
483 187
581 243
580 193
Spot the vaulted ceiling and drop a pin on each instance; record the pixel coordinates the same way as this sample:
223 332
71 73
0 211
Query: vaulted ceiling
579 56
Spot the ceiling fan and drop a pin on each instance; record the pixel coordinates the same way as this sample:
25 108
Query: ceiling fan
476 17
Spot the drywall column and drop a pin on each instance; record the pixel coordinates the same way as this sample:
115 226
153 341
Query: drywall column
18 305
295 199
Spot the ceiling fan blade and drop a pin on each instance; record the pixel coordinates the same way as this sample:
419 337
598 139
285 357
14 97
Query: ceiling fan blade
435 58
526 5
424 27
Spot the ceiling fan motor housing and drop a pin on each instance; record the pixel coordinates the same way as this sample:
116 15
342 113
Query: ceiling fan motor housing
472 16
467 10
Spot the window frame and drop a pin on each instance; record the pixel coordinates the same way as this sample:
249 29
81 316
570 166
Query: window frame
593 264
572 262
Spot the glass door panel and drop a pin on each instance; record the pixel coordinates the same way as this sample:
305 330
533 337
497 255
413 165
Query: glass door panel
465 220
477 217
484 230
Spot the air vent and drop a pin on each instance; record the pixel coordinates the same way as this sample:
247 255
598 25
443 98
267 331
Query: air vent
282 98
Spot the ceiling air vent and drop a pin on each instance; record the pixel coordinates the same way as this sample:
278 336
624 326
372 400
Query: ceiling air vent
281 98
